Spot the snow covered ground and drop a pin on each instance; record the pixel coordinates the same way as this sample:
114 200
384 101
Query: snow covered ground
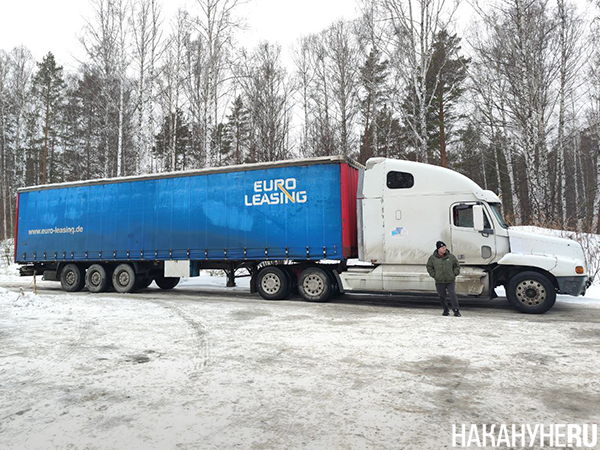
206 367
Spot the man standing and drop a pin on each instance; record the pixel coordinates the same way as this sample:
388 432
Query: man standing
443 267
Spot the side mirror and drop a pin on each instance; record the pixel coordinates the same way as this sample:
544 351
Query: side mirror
478 218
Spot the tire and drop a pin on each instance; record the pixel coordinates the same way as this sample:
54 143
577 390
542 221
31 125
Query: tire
336 290
71 278
166 282
144 282
315 285
96 279
531 292
124 279
273 283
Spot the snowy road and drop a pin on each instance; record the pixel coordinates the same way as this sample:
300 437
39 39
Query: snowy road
210 368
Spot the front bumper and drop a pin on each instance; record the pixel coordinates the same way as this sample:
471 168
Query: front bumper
572 285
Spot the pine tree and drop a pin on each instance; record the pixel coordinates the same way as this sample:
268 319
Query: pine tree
444 87
48 87
389 136
220 143
445 81
238 132
171 143
373 77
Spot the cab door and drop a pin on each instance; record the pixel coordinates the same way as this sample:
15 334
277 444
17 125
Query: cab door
468 245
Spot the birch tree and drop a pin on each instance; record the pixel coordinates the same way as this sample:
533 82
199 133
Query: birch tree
594 117
411 27
490 90
305 77
146 22
569 36
16 72
344 62
172 83
105 40
208 60
4 181
265 85
523 48
328 78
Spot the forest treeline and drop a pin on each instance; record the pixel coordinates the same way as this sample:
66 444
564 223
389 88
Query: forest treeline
514 103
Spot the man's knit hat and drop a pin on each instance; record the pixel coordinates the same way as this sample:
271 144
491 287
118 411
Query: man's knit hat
439 244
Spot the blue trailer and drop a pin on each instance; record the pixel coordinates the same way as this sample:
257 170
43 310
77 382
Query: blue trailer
274 219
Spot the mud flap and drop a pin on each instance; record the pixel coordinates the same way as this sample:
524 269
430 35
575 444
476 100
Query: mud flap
338 281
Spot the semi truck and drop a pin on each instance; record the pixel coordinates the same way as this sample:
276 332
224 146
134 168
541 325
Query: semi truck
321 226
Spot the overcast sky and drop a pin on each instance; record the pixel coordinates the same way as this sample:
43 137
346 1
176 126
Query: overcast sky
54 25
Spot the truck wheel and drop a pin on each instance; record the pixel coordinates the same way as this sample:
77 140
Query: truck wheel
124 278
273 283
166 282
315 285
531 292
71 278
336 289
96 278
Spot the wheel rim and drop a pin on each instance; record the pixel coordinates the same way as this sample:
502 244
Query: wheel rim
95 278
271 283
123 278
313 285
531 293
70 277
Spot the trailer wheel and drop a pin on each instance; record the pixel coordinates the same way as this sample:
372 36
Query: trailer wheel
273 283
167 282
144 282
96 278
531 292
71 278
315 285
124 279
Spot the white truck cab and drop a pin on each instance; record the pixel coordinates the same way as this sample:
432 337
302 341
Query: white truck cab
404 207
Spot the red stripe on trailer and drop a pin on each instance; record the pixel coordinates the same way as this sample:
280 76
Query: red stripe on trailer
16 225
349 186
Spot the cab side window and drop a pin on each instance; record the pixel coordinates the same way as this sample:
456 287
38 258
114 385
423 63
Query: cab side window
463 217
400 180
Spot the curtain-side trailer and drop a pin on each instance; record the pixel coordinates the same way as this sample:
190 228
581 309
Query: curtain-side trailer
128 232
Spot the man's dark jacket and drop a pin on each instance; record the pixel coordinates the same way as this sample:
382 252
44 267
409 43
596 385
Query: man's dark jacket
443 269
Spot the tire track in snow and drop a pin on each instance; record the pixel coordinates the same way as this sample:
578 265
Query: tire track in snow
63 354
203 356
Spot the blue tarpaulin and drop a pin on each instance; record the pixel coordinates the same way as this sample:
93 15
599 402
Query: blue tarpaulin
268 213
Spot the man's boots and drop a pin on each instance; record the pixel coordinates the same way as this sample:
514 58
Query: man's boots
457 313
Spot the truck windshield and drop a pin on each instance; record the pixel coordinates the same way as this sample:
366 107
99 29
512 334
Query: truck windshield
496 209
